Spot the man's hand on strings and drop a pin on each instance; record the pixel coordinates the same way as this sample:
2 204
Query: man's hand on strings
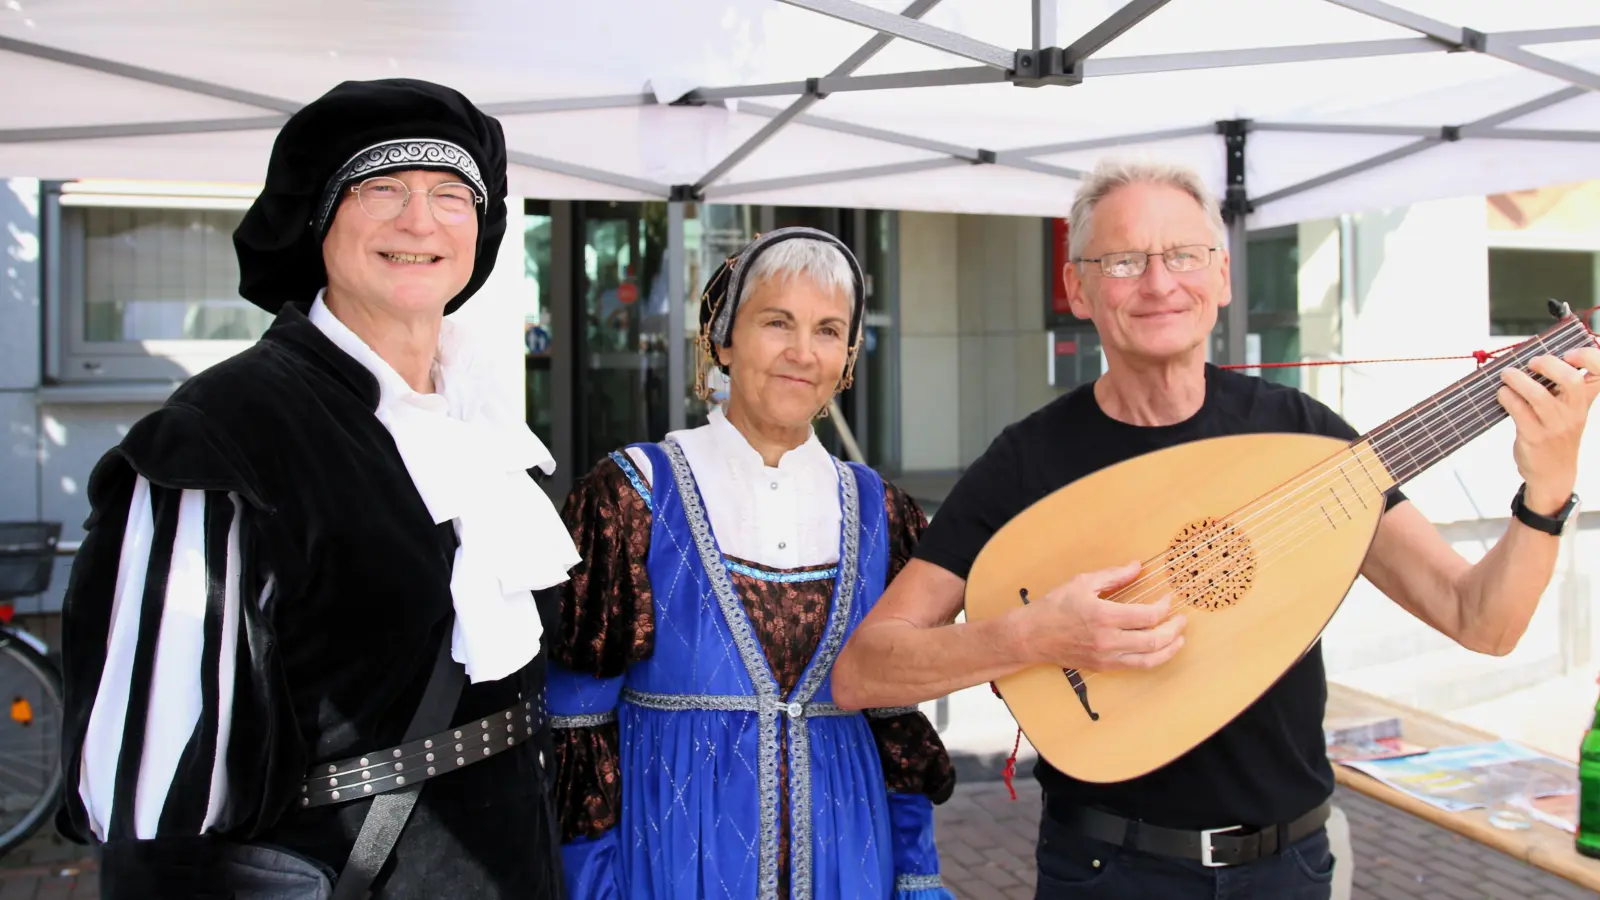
1550 422
1074 628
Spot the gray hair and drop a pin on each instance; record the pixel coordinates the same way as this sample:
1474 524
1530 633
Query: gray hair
1115 173
817 261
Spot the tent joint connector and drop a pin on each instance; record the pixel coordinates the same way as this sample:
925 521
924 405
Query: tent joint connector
684 193
986 157
1234 130
1474 40
814 88
1450 133
1036 67
1236 200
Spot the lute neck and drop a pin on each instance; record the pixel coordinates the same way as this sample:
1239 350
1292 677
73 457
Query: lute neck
1420 437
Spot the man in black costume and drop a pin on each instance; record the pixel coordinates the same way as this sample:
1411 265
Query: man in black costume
311 586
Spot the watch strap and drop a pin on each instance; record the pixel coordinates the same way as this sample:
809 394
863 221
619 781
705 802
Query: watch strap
1552 525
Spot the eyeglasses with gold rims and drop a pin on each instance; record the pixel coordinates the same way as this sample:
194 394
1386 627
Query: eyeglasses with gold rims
381 197
1132 263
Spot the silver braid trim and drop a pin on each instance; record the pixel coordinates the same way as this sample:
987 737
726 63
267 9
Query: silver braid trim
918 883
584 720
400 154
766 702
755 665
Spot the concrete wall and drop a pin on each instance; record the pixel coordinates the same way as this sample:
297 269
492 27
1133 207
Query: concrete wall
25 494
930 352
973 344
19 347
1004 354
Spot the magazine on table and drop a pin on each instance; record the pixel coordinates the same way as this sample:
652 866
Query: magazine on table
1367 737
1454 778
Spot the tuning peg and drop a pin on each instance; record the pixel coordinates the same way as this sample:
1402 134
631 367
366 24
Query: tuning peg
1558 309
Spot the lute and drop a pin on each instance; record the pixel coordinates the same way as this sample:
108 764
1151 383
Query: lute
1257 539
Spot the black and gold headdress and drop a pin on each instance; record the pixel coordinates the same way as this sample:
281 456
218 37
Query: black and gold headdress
720 300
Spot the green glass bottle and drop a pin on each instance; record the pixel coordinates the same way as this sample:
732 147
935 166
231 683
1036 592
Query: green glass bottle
1589 790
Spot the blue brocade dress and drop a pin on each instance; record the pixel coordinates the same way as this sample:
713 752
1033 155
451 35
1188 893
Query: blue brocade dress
698 753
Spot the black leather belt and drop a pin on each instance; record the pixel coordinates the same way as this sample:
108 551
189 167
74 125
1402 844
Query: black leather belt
422 759
1226 846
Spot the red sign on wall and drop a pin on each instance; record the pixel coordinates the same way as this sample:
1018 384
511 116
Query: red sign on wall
627 292
1058 258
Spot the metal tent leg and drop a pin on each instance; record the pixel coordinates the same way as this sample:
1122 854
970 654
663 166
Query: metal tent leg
677 333
1235 212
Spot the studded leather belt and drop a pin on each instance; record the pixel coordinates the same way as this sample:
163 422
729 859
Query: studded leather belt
422 759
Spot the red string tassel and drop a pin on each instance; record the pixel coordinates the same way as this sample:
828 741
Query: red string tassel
1010 771
1011 765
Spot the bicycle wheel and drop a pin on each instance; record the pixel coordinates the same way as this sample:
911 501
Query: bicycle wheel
30 740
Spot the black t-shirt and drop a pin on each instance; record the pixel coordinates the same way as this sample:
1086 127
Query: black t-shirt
1269 764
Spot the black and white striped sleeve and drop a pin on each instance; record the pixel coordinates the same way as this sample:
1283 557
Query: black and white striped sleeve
154 755
179 737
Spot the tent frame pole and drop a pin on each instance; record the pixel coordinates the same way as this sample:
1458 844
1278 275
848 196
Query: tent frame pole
1498 46
599 176
148 76
677 334
1236 208
1483 127
1045 25
1114 26
895 25
813 94
1029 67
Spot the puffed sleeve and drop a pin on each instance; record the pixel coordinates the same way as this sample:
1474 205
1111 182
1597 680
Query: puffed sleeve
606 623
916 768
178 731
606 620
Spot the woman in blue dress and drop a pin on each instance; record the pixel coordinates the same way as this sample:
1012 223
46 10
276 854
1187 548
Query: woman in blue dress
698 750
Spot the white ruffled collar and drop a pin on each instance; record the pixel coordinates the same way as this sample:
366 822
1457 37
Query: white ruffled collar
469 456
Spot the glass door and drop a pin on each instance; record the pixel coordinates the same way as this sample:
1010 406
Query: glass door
621 326
538 277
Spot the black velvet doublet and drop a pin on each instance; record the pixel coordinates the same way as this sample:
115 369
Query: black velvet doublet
345 589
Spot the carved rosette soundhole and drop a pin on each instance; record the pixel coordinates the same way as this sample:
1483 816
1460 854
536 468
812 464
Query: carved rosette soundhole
1210 565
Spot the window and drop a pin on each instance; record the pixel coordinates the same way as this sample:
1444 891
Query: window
143 281
1522 280
1544 244
1272 260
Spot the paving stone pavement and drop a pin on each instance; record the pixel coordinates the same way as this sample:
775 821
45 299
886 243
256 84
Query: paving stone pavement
986 847
986 851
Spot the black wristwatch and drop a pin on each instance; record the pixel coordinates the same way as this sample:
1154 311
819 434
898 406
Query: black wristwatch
1547 524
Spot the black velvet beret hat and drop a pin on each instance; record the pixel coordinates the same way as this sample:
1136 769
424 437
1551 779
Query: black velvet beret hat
356 130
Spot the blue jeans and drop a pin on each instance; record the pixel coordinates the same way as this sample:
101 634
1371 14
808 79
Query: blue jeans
1072 866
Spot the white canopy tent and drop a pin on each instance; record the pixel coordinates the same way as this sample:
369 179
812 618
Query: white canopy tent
1293 109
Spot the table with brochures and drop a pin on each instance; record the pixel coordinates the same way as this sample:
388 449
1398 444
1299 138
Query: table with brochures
1438 786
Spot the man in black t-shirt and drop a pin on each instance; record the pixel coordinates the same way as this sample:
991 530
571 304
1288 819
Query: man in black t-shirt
1243 811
